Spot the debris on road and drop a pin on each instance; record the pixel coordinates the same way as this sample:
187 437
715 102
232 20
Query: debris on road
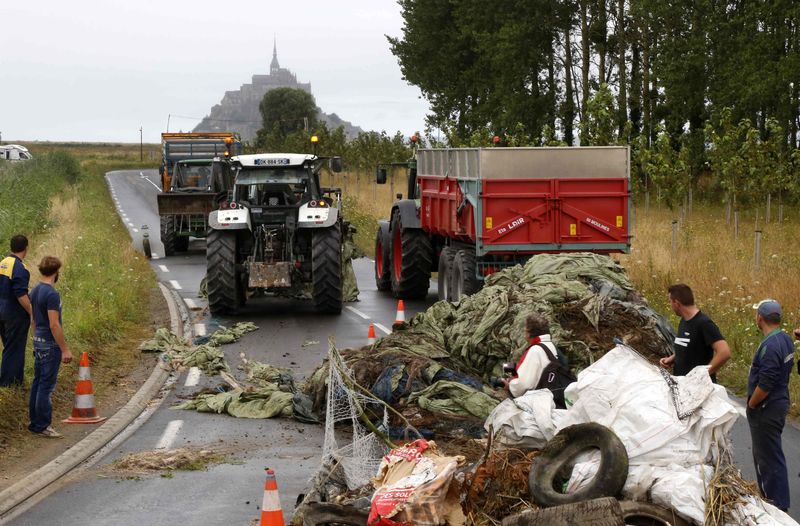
183 459
179 352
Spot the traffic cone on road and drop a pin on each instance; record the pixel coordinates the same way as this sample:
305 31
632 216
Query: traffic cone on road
371 334
83 410
271 512
401 312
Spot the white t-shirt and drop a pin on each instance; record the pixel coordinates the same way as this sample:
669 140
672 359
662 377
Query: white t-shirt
531 366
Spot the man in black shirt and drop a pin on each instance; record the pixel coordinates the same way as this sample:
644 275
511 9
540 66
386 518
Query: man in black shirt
698 340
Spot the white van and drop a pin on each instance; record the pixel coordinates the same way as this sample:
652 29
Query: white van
14 152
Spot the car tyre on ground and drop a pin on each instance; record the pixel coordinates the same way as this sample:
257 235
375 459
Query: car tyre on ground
554 464
597 512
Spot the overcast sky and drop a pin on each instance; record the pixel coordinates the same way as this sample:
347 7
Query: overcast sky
97 71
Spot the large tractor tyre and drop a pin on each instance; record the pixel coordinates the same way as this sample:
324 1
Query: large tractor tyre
181 243
383 277
597 512
463 281
326 269
646 514
446 258
553 465
224 286
168 235
412 261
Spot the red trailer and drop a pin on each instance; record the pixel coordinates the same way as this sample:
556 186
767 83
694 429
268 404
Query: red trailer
472 211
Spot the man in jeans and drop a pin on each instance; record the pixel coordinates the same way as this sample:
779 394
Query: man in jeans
50 348
15 312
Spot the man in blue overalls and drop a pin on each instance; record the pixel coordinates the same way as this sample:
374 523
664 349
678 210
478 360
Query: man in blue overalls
768 403
15 312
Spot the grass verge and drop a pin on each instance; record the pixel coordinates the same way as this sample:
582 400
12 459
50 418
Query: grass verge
63 205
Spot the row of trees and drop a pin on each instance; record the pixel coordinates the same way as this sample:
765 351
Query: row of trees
687 83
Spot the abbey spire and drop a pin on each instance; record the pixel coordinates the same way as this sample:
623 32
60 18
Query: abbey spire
274 66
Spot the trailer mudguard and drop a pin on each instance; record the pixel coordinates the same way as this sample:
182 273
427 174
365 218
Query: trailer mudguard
409 213
230 219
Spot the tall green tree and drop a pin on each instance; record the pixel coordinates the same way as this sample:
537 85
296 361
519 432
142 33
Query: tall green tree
283 112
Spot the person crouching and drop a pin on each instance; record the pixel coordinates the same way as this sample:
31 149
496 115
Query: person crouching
542 366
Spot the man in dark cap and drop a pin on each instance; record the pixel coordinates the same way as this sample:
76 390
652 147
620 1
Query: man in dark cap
768 402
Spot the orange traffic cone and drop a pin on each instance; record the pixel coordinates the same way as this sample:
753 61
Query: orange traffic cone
401 312
271 512
83 411
371 334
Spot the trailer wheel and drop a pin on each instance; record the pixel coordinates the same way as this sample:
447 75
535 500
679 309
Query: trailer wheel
446 258
463 280
168 235
224 286
181 243
412 260
326 269
383 277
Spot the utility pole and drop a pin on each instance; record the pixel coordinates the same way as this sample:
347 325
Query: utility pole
141 145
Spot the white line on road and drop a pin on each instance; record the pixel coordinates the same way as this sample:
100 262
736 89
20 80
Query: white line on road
136 230
193 378
384 329
353 309
130 224
174 284
200 329
169 435
191 304
143 176
163 268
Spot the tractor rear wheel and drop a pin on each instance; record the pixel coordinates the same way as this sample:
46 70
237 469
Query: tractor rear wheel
168 235
326 269
446 258
225 293
463 280
412 260
383 277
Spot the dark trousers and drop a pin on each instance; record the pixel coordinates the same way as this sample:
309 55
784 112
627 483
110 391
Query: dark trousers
766 425
46 362
14 334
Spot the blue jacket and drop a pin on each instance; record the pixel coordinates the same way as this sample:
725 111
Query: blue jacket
772 366
14 279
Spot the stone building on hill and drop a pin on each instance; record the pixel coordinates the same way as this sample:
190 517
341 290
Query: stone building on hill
238 110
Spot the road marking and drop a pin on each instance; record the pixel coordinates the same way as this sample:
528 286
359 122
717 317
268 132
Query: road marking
193 378
143 176
136 230
200 329
169 435
174 284
384 329
191 304
353 309
130 224
163 268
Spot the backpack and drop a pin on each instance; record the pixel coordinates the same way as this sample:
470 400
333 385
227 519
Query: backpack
555 377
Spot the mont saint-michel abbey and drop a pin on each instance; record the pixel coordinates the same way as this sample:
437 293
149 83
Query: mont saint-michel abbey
238 111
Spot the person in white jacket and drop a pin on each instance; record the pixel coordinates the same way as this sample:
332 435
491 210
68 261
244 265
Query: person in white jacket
534 361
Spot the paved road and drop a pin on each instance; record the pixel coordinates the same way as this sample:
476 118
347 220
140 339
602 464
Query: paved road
230 493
